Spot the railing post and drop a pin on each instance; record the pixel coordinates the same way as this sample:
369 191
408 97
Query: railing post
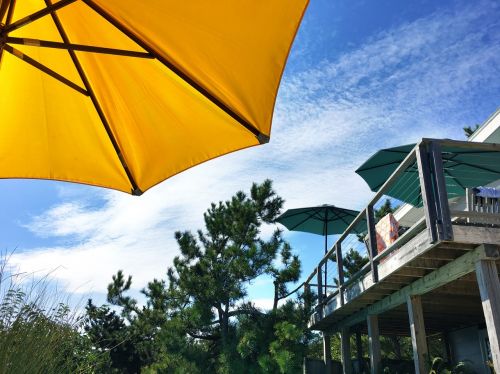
340 270
445 230
424 173
320 291
372 241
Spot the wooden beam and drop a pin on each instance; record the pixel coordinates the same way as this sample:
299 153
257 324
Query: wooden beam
374 344
449 272
345 348
418 336
327 353
410 272
443 254
425 263
475 234
451 289
489 288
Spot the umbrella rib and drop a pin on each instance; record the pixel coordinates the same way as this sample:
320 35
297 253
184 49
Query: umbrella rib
342 218
303 211
310 215
95 102
77 47
33 17
262 138
4 7
455 179
378 166
10 13
22 56
477 167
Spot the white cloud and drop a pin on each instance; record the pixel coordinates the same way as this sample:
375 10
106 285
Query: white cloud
265 304
418 79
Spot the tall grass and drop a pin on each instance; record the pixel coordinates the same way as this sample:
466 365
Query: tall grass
39 333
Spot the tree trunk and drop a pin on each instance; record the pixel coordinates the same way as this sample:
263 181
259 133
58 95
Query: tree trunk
224 326
276 296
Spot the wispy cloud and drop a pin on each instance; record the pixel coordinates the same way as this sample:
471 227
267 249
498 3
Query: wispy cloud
418 79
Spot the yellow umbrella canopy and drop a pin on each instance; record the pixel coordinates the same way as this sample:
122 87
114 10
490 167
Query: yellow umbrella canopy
125 93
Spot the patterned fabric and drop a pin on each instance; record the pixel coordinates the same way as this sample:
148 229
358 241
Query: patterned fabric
387 232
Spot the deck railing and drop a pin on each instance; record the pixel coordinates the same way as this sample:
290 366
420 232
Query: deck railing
420 182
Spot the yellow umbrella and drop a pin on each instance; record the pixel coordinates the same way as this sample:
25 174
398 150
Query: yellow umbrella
126 93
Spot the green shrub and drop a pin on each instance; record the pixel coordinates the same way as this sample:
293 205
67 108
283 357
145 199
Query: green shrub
38 332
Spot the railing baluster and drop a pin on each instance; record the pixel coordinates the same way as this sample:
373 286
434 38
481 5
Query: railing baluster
372 241
320 291
340 269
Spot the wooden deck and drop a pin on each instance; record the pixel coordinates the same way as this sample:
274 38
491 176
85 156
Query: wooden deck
441 272
418 266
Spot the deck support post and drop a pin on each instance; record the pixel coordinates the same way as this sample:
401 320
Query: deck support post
374 344
489 288
345 348
327 352
418 336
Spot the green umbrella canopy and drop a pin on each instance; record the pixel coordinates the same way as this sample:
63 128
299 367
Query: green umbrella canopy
320 220
463 168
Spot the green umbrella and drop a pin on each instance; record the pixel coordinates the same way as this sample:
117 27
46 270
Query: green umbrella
321 220
463 168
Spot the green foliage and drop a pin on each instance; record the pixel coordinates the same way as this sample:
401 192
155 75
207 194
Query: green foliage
275 342
439 366
468 130
385 209
38 332
353 262
199 322
131 335
214 268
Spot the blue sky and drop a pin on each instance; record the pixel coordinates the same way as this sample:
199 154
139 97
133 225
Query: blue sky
362 75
